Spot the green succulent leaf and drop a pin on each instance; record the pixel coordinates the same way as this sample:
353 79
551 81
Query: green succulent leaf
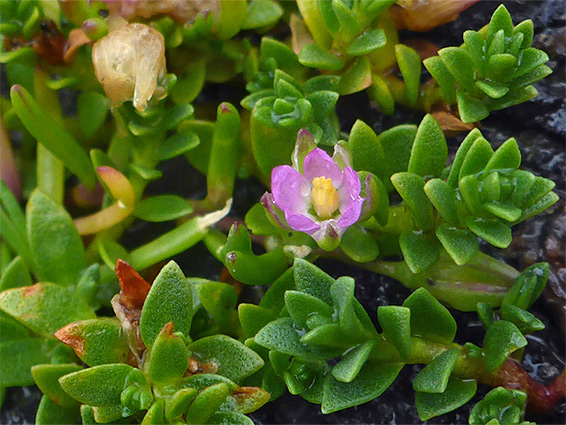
89 284
108 414
382 95
219 300
502 338
179 403
367 152
352 318
52 135
18 356
154 415
491 230
526 322
470 108
229 418
170 299
301 306
50 413
97 386
527 286
370 383
435 66
47 221
312 280
262 14
44 307
15 275
282 335
359 245
274 299
351 364
444 199
162 208
396 324
411 188
96 341
169 358
367 43
235 361
47 376
357 77
500 404
253 318
434 377
178 144
460 244
410 66
429 318
92 109
420 251
11 329
506 156
397 143
460 65
206 403
314 56
458 392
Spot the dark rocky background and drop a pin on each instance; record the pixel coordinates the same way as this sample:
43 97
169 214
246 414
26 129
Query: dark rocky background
540 128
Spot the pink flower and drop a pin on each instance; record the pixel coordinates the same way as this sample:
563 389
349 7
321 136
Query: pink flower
323 200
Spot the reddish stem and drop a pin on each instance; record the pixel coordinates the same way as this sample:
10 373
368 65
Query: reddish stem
540 398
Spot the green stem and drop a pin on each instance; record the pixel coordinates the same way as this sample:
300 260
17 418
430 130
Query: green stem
483 279
471 365
50 174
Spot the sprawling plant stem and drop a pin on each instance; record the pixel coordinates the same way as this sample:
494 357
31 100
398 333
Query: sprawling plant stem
541 398
483 279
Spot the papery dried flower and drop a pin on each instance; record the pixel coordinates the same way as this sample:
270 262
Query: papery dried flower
322 201
129 62
180 11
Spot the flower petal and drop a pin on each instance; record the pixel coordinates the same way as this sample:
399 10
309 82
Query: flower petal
350 214
350 188
271 209
290 189
319 164
302 223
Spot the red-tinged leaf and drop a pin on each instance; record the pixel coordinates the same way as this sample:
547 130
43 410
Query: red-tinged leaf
250 399
134 288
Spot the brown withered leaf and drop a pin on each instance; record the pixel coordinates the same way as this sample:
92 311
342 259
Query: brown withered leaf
250 399
196 367
77 38
300 34
424 15
50 44
450 124
75 341
424 48
226 277
128 305
133 287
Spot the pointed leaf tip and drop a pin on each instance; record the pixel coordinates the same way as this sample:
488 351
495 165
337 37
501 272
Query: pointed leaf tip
134 288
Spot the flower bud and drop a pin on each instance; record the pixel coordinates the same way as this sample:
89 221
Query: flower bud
129 62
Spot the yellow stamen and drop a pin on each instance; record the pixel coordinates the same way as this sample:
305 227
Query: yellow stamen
324 196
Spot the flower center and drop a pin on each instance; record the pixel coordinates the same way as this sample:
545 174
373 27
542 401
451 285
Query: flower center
324 196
